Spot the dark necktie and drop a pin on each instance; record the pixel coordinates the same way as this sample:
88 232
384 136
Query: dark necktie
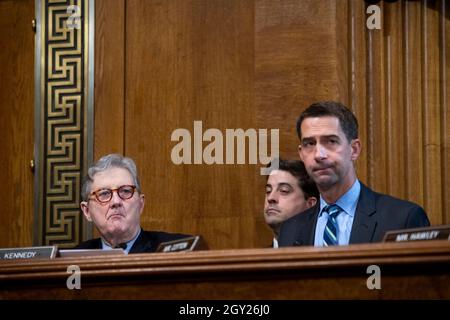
330 234
122 245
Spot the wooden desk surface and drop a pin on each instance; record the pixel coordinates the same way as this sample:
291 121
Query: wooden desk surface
413 270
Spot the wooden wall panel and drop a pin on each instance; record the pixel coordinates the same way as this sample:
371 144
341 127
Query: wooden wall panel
187 61
445 102
413 102
395 108
431 107
357 77
343 50
109 77
16 122
293 68
376 108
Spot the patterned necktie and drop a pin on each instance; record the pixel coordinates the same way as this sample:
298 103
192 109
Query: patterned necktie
330 234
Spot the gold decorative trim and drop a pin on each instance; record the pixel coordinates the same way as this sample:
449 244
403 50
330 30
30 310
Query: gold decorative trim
63 120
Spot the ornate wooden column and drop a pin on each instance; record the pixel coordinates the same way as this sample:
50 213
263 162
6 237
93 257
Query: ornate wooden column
64 118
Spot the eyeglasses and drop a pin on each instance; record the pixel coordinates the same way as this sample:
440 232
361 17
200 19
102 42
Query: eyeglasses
105 195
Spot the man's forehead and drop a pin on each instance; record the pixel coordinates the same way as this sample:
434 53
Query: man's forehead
281 176
323 126
113 176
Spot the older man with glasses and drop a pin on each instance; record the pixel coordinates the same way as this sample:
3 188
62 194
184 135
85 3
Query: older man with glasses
113 201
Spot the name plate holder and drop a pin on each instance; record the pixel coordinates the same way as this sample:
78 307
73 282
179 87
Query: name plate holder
419 234
185 244
48 252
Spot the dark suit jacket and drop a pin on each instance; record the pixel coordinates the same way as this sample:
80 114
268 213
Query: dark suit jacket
375 214
147 241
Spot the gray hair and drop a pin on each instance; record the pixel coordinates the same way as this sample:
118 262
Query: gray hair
107 162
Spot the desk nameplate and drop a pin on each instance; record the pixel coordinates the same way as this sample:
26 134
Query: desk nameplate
185 244
419 234
48 252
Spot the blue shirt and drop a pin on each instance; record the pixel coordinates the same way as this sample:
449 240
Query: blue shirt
344 220
106 246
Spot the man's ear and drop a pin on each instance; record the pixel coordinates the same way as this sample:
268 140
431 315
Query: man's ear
142 202
85 208
300 151
311 202
356 149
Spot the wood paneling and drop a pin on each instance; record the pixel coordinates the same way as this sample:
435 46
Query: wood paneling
16 122
376 108
431 107
357 78
109 77
413 102
445 101
394 104
187 61
293 68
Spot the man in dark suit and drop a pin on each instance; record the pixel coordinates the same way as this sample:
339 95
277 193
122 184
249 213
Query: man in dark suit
348 212
113 201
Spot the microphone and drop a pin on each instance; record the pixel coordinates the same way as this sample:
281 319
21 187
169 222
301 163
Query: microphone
193 243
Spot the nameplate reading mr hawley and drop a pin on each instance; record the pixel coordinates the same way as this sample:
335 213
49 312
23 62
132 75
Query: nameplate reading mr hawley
419 234
28 253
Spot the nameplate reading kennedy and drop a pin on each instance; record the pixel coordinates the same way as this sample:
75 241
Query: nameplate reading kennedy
28 253
419 234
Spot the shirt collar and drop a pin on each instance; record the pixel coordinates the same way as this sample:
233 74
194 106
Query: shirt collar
107 246
275 243
347 201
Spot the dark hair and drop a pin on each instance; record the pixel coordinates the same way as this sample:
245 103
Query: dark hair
297 169
347 119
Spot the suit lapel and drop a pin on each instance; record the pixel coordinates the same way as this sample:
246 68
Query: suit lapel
312 221
307 231
143 243
365 221
97 244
